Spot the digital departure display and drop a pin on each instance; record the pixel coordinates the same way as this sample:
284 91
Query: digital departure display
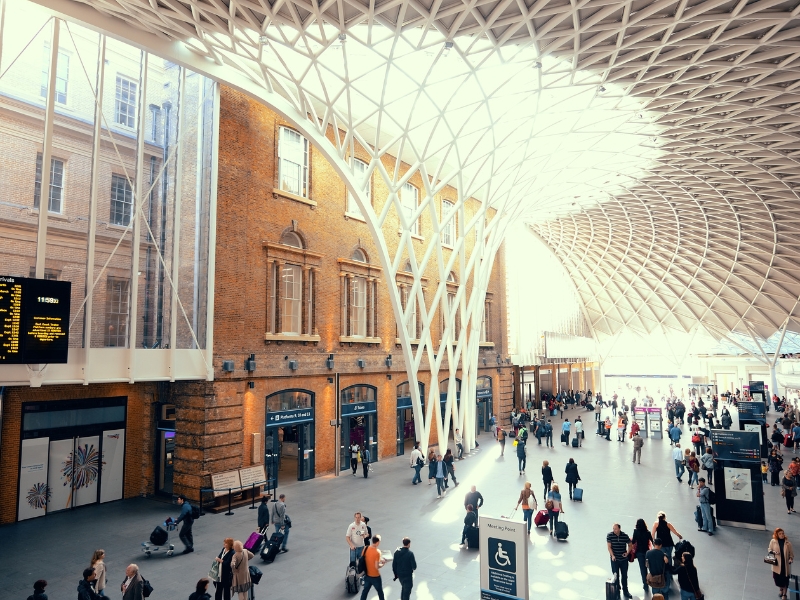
735 445
34 320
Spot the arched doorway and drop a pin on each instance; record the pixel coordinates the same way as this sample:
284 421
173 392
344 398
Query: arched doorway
406 432
483 398
359 421
289 435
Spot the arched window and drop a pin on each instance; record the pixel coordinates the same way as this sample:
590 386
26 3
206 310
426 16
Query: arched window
359 393
451 277
292 162
360 169
291 284
290 400
359 255
290 238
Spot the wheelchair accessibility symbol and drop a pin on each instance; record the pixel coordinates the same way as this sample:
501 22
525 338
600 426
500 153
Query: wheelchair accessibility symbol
502 554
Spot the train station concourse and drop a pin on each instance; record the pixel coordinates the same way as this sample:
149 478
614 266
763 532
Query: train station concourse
258 247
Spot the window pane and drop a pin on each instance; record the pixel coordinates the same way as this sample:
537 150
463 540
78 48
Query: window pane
125 102
62 75
447 228
358 307
359 171
121 201
292 162
408 199
56 184
117 312
291 284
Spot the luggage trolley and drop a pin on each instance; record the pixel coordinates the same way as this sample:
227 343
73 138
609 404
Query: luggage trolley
159 540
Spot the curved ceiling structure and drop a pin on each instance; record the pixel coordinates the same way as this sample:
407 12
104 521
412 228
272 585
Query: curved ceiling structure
687 210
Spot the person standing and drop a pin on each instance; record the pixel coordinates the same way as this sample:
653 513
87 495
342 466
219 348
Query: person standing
788 491
638 442
38 590
572 475
553 506
707 462
458 439
403 566
621 427
687 578
663 530
614 405
278 519
470 522
675 435
263 514
440 472
365 460
431 466
775 462
354 450
528 501
579 431
619 545
608 428
86 586
521 457
99 567
677 457
241 583
781 548
356 532
598 408
548 433
374 562
474 497
417 462
547 476
640 545
132 587
704 494
451 468
693 467
501 439
186 529
225 578
657 565
565 431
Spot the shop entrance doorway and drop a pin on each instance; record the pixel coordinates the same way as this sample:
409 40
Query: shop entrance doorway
359 410
289 436
483 396
406 431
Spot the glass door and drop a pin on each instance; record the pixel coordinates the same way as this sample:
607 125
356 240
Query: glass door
371 436
305 451
272 453
344 446
401 423
166 458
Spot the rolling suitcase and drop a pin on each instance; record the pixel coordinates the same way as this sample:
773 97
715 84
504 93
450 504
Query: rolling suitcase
612 588
541 518
254 542
351 578
272 547
577 494
562 530
601 430
563 437
575 442
473 539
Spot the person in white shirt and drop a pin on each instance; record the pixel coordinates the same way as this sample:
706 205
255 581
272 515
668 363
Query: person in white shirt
354 457
417 461
579 430
355 535
459 444
677 456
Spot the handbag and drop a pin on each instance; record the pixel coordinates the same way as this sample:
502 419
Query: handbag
770 558
213 573
549 505
632 553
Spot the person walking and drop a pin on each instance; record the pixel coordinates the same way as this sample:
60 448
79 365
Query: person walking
222 583
365 460
99 567
663 530
451 468
373 562
619 546
697 441
704 495
565 427
474 497
598 408
528 501
547 476
201 590
641 540
693 465
431 466
458 439
638 442
677 456
548 433
403 566
354 450
579 431
781 549
501 439
470 521
788 491
185 517
775 462
707 462
278 518
133 585
553 506
263 514
440 471
38 590
417 462
356 532
657 565
687 578
86 586
521 456
675 435
241 582
572 477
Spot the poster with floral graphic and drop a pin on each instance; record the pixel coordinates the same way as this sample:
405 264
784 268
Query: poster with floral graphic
34 492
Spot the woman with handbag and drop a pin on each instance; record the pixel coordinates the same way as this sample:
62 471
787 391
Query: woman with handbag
553 506
641 540
693 466
788 491
241 570
528 501
221 573
687 579
781 556
775 462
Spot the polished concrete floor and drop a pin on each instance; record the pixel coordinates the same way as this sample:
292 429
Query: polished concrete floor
58 547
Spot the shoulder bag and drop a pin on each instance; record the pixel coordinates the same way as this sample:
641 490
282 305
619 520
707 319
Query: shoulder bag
213 573
770 558
549 505
632 553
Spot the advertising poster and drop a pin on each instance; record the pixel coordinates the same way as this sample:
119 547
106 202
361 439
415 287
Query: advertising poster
112 464
84 473
58 475
737 485
756 428
33 490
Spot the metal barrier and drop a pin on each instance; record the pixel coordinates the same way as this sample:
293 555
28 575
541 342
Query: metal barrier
269 487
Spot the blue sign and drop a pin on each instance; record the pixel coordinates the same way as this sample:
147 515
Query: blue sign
503 566
752 411
484 393
359 408
289 417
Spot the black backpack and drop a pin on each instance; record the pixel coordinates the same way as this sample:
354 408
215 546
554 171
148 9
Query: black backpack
195 512
712 497
361 566
147 589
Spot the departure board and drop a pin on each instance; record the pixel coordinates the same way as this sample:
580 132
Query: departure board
34 320
735 445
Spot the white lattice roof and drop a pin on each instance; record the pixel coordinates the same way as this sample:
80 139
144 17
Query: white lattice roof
677 205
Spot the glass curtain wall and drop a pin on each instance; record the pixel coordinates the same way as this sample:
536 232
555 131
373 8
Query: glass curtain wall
129 192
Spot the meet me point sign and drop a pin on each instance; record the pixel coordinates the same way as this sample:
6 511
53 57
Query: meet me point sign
504 559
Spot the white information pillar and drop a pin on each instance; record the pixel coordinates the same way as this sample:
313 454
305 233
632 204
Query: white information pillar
504 559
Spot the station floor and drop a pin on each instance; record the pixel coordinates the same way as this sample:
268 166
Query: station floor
730 564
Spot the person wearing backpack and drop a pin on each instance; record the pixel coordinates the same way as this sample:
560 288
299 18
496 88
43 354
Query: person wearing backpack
188 520
365 460
707 460
417 462
548 433
704 494
133 586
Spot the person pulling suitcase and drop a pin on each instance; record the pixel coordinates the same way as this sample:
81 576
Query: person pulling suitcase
280 520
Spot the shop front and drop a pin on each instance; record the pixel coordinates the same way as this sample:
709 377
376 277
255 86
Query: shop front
359 410
289 437
165 451
483 397
443 385
72 454
406 432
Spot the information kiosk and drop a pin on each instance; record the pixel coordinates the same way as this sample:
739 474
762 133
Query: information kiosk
737 478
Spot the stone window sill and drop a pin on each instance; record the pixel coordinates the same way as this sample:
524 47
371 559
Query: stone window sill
414 236
486 344
416 342
345 339
289 196
290 337
355 217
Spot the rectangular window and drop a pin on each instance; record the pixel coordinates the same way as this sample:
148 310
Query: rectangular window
116 334
292 162
405 298
121 201
409 200
453 308
359 170
62 76
484 324
273 286
291 294
55 203
358 307
447 225
125 102
49 274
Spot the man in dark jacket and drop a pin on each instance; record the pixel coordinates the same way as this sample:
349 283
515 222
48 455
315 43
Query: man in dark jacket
186 529
403 567
470 521
263 513
85 588
475 498
133 586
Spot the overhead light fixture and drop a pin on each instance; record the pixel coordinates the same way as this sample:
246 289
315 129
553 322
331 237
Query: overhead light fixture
263 40
537 65
342 37
601 89
448 45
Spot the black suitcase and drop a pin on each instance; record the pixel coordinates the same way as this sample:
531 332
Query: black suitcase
562 530
601 428
351 578
159 537
698 517
473 539
575 442
612 588
272 547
